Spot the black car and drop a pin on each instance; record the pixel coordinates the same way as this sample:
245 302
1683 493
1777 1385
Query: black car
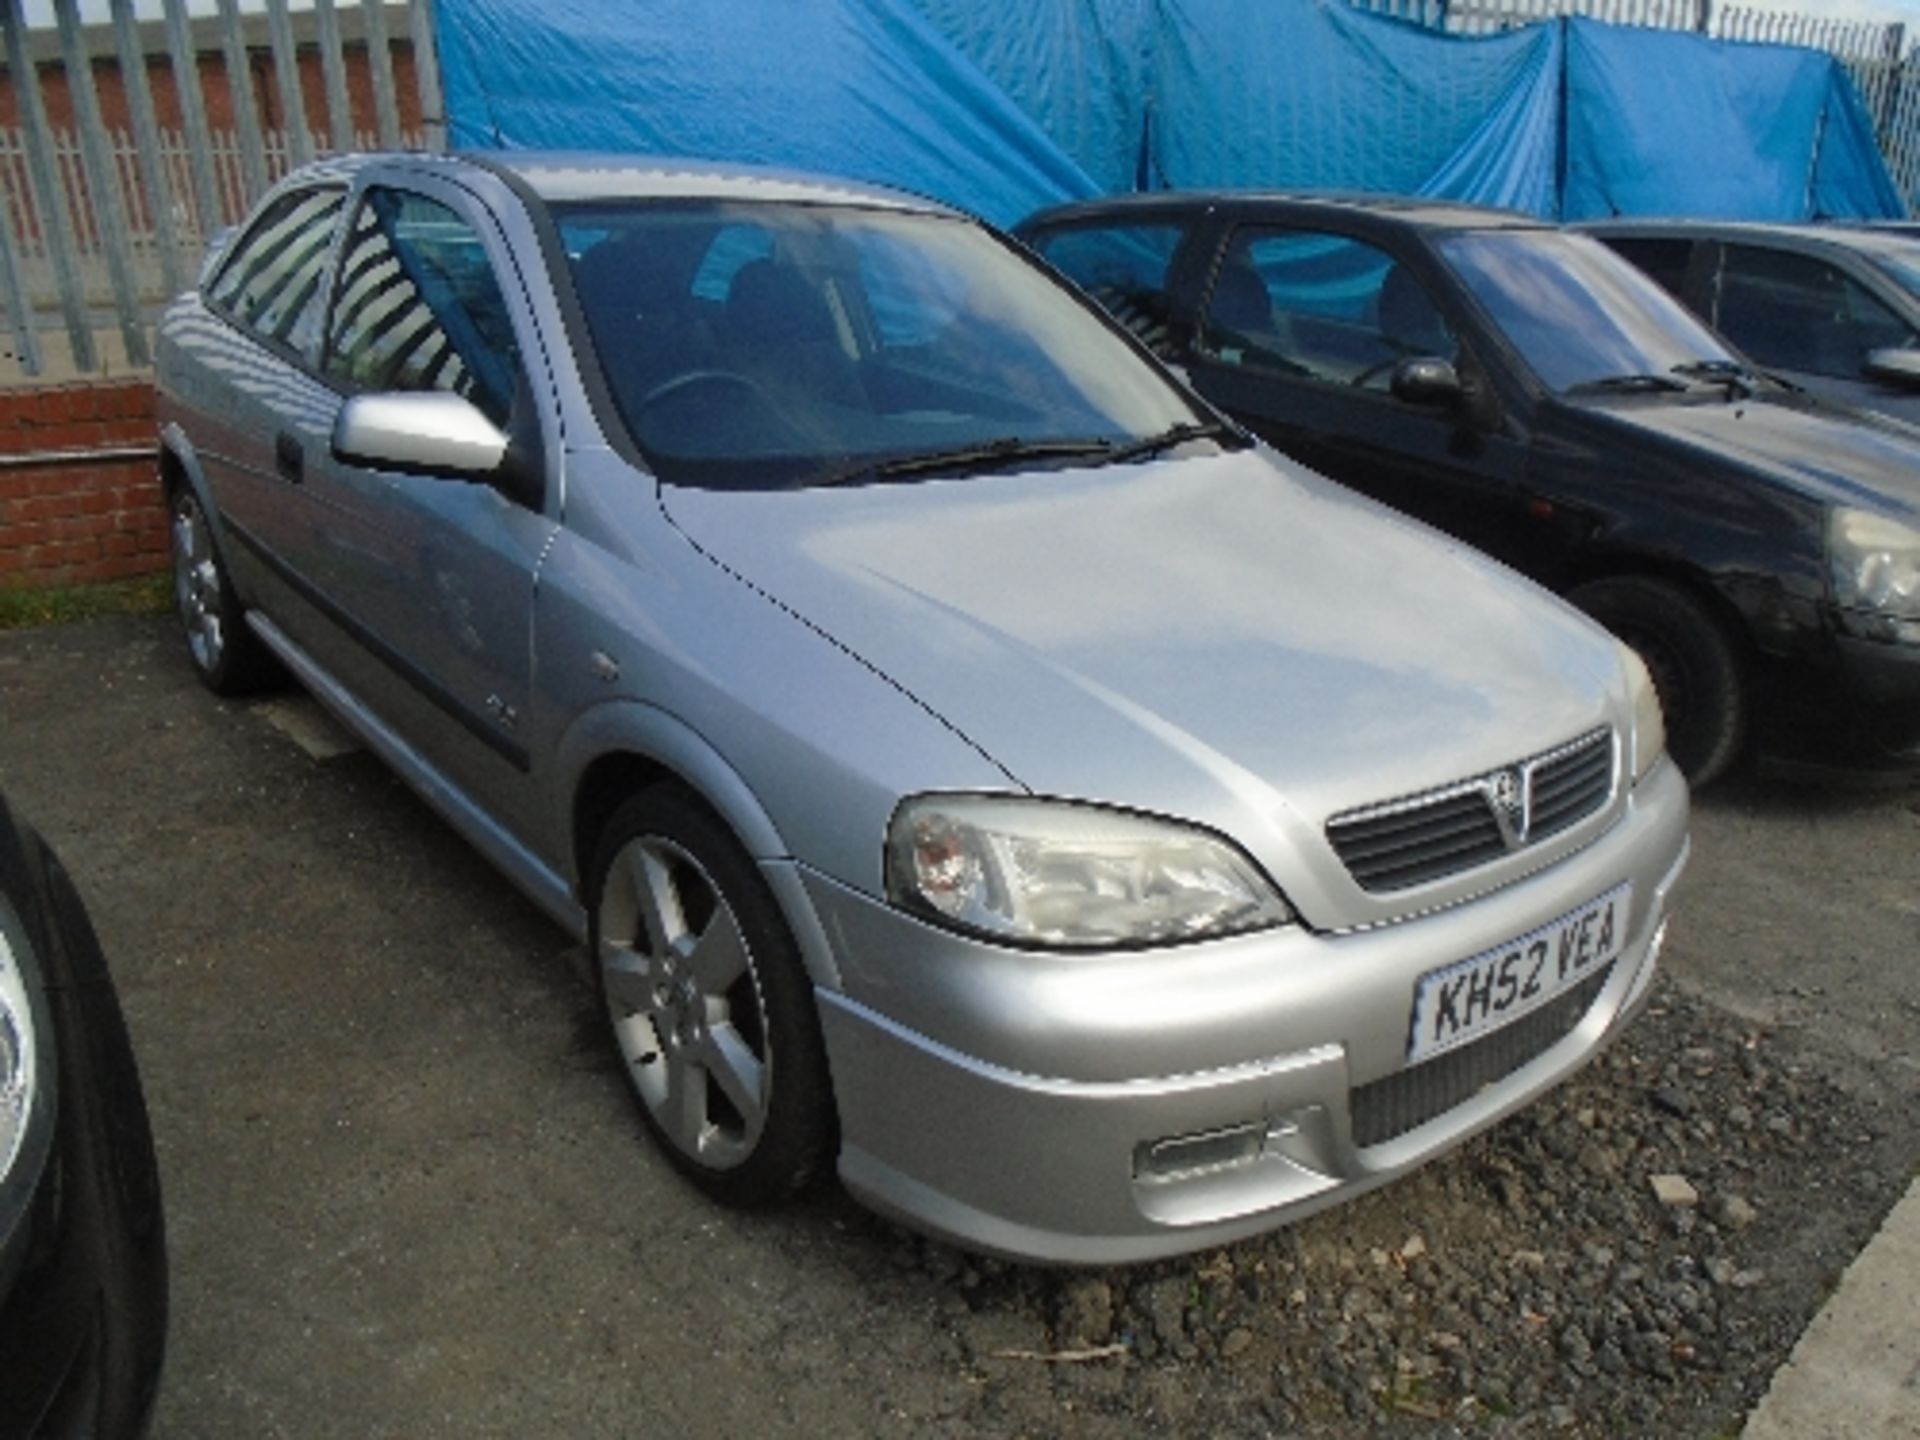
1833 308
83 1279
1523 388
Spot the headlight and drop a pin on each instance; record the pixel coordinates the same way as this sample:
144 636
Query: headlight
1875 566
1049 873
17 1059
1649 724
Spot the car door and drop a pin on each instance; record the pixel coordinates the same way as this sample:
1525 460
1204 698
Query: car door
1804 317
248 387
1298 335
429 580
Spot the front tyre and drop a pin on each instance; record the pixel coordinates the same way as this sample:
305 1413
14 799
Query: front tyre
226 655
710 1006
1695 669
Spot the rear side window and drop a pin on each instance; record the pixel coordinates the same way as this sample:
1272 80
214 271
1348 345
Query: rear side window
418 307
1123 267
1664 259
1801 313
271 282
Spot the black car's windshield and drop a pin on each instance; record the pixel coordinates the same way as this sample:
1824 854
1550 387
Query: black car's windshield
1582 317
1899 257
770 344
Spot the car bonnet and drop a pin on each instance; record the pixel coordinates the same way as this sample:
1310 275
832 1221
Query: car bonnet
1218 639
1832 455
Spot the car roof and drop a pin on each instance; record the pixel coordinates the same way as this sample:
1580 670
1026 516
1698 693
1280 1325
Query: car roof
1415 210
560 176
1811 235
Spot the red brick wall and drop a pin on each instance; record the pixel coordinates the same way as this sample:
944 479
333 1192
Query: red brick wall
76 521
269 104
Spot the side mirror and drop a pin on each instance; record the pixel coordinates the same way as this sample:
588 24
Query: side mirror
1897 365
1427 380
427 432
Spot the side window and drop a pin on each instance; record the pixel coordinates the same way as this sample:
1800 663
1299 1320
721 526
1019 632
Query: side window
1320 307
417 306
271 282
1662 258
1124 268
1800 313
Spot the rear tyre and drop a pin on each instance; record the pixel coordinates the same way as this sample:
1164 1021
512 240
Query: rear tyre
710 1006
1695 668
227 656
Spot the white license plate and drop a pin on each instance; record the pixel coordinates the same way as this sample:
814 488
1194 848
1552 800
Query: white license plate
1476 996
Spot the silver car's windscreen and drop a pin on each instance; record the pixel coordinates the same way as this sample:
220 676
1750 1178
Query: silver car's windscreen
1580 315
770 344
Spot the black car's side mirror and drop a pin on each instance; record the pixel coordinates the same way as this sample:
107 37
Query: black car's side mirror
1427 380
1895 364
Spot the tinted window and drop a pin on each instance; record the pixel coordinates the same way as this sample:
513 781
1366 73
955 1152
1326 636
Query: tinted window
1319 306
772 344
1123 267
1576 312
1665 260
1801 313
417 306
271 283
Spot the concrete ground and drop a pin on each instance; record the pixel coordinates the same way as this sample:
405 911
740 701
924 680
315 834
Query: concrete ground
408 1195
1856 1372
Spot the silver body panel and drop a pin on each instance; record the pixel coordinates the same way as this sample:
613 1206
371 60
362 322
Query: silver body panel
1227 641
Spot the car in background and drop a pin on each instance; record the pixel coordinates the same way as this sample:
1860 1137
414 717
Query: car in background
971 762
83 1278
1832 308
1524 389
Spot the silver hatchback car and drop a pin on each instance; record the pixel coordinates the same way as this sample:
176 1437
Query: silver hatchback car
973 763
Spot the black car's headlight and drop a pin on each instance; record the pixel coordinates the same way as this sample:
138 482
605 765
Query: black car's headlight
1061 875
1875 565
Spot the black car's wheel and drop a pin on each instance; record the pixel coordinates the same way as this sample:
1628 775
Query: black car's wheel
1695 668
227 656
709 1004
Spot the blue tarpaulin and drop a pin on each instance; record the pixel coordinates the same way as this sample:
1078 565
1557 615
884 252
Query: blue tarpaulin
859 88
1672 124
1005 105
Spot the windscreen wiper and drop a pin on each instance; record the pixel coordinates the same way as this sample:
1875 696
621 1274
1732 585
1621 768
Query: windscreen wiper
1174 435
1731 373
985 455
1628 383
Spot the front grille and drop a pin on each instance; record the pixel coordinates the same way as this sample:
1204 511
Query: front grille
1393 849
1571 784
1425 837
1389 1107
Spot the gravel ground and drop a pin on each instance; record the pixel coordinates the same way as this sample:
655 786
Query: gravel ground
1536 1282
408 1193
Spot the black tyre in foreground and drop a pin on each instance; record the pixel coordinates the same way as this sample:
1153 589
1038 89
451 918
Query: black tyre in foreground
710 1005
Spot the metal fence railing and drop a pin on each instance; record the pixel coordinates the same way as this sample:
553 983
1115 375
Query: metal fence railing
137 142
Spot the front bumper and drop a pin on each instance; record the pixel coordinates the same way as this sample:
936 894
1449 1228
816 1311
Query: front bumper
1857 708
1008 1100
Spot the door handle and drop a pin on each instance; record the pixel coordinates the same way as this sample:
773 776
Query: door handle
288 458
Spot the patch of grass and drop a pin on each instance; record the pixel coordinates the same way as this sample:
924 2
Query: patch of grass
23 606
